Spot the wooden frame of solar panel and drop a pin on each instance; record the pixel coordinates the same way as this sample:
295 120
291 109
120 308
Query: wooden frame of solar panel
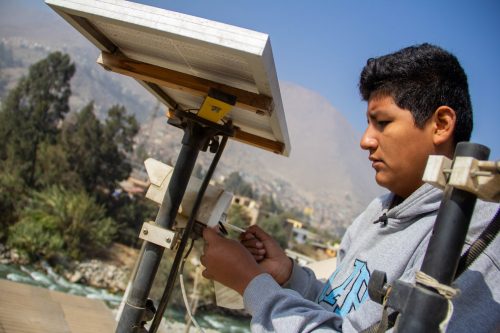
179 58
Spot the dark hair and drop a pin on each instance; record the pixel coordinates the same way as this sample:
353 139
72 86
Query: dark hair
421 78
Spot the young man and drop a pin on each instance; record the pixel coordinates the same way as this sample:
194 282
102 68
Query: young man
418 105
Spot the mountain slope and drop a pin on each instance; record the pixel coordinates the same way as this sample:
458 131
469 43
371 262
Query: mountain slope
326 171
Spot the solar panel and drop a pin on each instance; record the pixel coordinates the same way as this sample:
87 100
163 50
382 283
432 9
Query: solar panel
178 58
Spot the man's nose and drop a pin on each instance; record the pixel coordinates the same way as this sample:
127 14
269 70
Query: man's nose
368 140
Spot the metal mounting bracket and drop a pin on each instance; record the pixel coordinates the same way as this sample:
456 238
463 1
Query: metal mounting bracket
155 234
482 178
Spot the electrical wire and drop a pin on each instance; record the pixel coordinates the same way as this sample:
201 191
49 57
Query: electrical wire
183 290
479 245
177 260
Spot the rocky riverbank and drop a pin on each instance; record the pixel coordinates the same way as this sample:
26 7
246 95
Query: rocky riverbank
11 256
97 279
108 273
98 274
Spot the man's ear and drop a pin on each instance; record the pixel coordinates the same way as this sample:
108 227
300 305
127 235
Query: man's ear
444 125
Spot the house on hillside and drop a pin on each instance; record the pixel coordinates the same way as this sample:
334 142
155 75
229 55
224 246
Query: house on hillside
252 207
133 186
328 249
298 232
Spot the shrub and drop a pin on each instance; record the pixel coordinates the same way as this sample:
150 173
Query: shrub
13 194
58 222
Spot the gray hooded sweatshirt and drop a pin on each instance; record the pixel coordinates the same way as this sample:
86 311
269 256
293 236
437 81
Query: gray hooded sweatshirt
397 247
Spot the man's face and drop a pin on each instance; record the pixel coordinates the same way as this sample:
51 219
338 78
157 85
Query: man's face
398 148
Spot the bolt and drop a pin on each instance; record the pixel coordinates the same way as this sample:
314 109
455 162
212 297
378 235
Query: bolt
145 231
168 240
481 173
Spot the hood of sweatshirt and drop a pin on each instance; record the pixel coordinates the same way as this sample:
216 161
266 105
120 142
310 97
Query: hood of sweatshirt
424 201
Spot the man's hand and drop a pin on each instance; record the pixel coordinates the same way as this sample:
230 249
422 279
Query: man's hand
228 262
268 253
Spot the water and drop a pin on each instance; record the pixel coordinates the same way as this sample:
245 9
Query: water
51 280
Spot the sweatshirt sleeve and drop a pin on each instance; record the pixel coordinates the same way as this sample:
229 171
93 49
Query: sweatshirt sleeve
277 309
304 281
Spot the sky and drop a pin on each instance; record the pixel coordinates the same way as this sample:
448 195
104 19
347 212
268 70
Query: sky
322 45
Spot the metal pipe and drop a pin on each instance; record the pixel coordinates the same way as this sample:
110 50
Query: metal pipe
172 277
129 284
194 139
425 309
452 222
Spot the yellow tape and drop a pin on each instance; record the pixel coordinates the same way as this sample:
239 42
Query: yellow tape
213 109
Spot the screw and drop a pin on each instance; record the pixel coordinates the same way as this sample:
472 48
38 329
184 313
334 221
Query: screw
481 173
168 240
145 231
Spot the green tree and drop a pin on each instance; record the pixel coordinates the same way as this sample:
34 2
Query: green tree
236 184
53 168
130 213
238 216
269 204
81 141
141 153
97 152
32 112
121 128
119 131
13 196
273 225
61 222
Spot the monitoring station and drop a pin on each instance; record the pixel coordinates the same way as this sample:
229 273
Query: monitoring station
218 82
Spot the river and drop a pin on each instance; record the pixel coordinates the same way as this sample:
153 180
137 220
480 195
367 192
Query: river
51 280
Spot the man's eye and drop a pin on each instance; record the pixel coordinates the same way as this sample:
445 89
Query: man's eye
383 123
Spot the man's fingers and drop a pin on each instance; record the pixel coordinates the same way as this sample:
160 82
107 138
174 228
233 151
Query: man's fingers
206 275
253 243
258 232
254 246
259 252
246 236
258 258
210 234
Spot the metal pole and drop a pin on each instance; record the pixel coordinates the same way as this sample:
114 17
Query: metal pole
195 138
174 270
425 308
452 223
129 284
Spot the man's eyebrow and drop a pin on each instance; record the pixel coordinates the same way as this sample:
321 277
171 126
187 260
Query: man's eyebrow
377 112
